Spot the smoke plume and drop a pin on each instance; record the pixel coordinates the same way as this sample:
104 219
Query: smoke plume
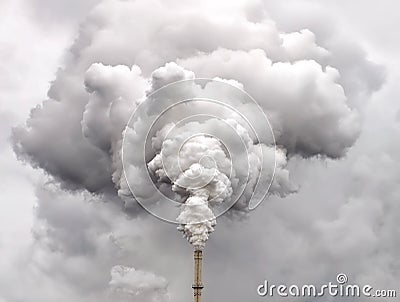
199 177
77 135
309 80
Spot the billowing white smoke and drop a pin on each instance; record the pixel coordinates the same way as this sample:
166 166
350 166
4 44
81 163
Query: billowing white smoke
197 220
306 81
76 135
200 171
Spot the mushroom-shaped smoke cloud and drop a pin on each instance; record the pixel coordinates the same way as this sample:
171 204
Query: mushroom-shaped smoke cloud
76 135
201 155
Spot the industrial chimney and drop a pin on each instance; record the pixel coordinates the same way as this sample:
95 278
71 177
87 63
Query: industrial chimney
197 285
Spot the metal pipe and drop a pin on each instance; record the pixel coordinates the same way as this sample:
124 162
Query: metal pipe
197 281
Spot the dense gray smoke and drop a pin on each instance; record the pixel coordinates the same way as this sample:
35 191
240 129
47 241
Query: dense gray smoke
127 283
77 135
200 171
310 82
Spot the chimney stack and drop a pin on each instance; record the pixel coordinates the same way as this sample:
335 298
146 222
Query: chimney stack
197 284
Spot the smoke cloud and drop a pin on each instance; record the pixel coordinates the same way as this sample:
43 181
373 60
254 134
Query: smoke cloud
310 81
75 134
199 177
127 284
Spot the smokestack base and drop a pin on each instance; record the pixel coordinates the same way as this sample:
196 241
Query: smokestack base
197 281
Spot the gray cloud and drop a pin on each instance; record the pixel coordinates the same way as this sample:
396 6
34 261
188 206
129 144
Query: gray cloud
343 219
71 157
60 13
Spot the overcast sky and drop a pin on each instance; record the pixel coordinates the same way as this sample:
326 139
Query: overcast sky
66 234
